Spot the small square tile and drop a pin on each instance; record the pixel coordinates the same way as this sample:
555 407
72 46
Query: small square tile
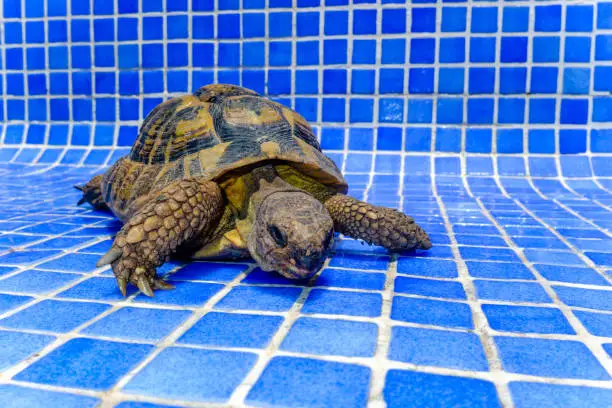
553 258
85 363
36 282
431 312
549 358
511 291
499 270
598 324
429 287
259 298
104 289
360 262
15 347
526 395
351 279
525 319
192 375
411 388
587 298
232 330
425 347
570 274
343 303
337 384
427 267
8 302
138 324
12 395
82 263
185 294
331 337
54 316
209 271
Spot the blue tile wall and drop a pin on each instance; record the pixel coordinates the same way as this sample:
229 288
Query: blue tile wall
477 68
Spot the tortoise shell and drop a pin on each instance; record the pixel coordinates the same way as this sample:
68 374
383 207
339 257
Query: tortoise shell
217 130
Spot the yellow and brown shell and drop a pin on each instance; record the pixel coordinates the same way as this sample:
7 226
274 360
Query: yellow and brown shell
217 130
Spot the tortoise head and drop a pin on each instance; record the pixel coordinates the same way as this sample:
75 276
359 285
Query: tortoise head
291 234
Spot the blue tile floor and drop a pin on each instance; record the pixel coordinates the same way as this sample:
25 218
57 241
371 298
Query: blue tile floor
511 308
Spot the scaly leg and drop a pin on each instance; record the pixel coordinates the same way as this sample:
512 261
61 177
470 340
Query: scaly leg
172 216
376 225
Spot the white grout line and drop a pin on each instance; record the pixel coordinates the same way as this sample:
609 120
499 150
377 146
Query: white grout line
481 325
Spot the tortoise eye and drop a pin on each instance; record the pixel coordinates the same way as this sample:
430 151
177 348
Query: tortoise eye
279 237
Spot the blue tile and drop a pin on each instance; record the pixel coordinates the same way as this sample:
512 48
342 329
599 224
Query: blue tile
548 257
26 257
527 395
432 312
425 347
85 363
453 19
411 388
259 298
515 19
570 274
511 291
173 374
15 396
579 18
360 262
427 267
343 303
138 324
82 263
393 21
36 282
600 258
185 294
549 358
337 384
8 302
104 289
598 324
19 346
586 298
488 254
482 49
524 319
351 279
577 49
54 316
232 330
331 337
499 270
210 271
429 287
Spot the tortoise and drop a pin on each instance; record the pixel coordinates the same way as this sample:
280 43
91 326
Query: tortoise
225 173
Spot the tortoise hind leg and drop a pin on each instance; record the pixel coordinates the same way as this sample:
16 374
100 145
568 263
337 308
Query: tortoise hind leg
92 193
171 217
376 225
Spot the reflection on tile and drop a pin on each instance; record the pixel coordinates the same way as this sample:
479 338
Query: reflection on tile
337 384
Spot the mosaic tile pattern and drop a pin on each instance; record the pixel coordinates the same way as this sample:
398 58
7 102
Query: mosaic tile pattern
448 76
488 121
510 308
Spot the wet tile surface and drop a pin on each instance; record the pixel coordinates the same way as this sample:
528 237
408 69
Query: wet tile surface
529 270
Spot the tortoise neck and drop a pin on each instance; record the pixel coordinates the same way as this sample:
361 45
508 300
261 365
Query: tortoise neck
265 182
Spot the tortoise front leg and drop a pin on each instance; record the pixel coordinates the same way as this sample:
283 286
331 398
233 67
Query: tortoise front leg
173 216
376 225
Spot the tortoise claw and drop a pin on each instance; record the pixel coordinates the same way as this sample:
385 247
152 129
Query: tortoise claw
80 188
144 287
110 257
122 283
162 285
